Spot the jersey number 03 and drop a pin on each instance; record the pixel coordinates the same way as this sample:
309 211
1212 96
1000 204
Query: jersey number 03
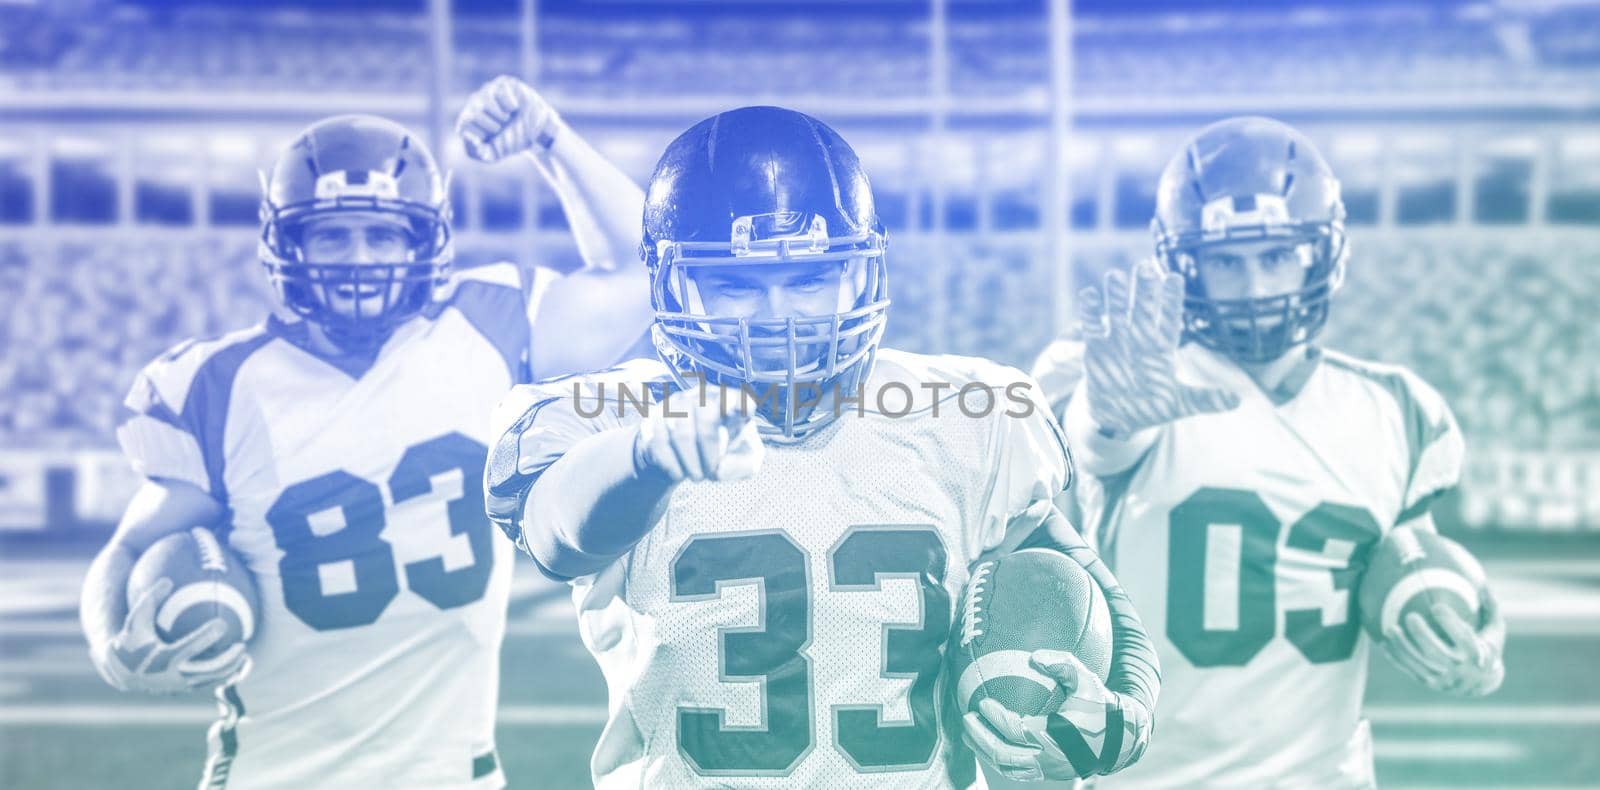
1192 529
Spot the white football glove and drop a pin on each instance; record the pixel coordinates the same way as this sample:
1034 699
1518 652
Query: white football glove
505 117
1131 330
1471 664
710 434
1094 731
137 659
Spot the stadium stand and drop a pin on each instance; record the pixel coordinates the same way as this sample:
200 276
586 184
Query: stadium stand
1500 325
96 312
1498 322
767 55
1495 319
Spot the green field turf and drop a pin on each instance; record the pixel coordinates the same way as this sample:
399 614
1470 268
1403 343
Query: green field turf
60 727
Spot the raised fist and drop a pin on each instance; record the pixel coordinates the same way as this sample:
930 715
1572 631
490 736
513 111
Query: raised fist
505 117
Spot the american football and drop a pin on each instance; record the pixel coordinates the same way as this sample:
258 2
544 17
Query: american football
208 581
1034 599
1411 571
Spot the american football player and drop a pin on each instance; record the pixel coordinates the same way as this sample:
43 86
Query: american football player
337 447
1238 473
765 528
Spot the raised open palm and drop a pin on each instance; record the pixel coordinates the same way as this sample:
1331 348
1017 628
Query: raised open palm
1131 328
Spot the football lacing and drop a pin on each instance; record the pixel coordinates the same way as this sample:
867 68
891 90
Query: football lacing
211 557
970 620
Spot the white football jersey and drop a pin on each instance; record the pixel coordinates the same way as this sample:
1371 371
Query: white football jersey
354 499
1058 369
1240 537
788 630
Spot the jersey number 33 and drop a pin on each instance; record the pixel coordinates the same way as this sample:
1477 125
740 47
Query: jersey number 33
776 653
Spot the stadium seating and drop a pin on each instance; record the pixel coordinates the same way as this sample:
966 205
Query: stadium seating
1499 323
94 313
998 55
1500 326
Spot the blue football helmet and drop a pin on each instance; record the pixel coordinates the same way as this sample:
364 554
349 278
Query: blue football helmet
1246 179
757 186
356 163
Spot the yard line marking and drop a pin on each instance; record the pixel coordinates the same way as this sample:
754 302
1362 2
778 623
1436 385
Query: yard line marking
46 667
543 624
1543 567
552 714
595 714
1483 714
1402 786
1529 625
1452 750
542 628
107 714
119 715
9 628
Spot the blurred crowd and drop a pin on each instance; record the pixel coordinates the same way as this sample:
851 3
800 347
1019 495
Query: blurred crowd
994 53
87 316
1503 328
1501 324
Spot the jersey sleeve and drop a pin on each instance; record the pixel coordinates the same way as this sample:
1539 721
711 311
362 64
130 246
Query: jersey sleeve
160 439
536 424
1436 448
1098 454
1058 370
176 413
1029 462
494 299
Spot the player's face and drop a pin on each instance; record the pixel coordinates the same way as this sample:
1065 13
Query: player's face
1254 270
768 291
358 238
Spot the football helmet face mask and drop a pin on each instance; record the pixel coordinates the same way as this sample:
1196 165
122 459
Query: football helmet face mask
1249 180
765 186
355 166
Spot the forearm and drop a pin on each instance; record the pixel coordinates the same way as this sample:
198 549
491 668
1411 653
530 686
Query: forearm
609 298
592 505
156 510
1135 670
602 204
103 603
1099 453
